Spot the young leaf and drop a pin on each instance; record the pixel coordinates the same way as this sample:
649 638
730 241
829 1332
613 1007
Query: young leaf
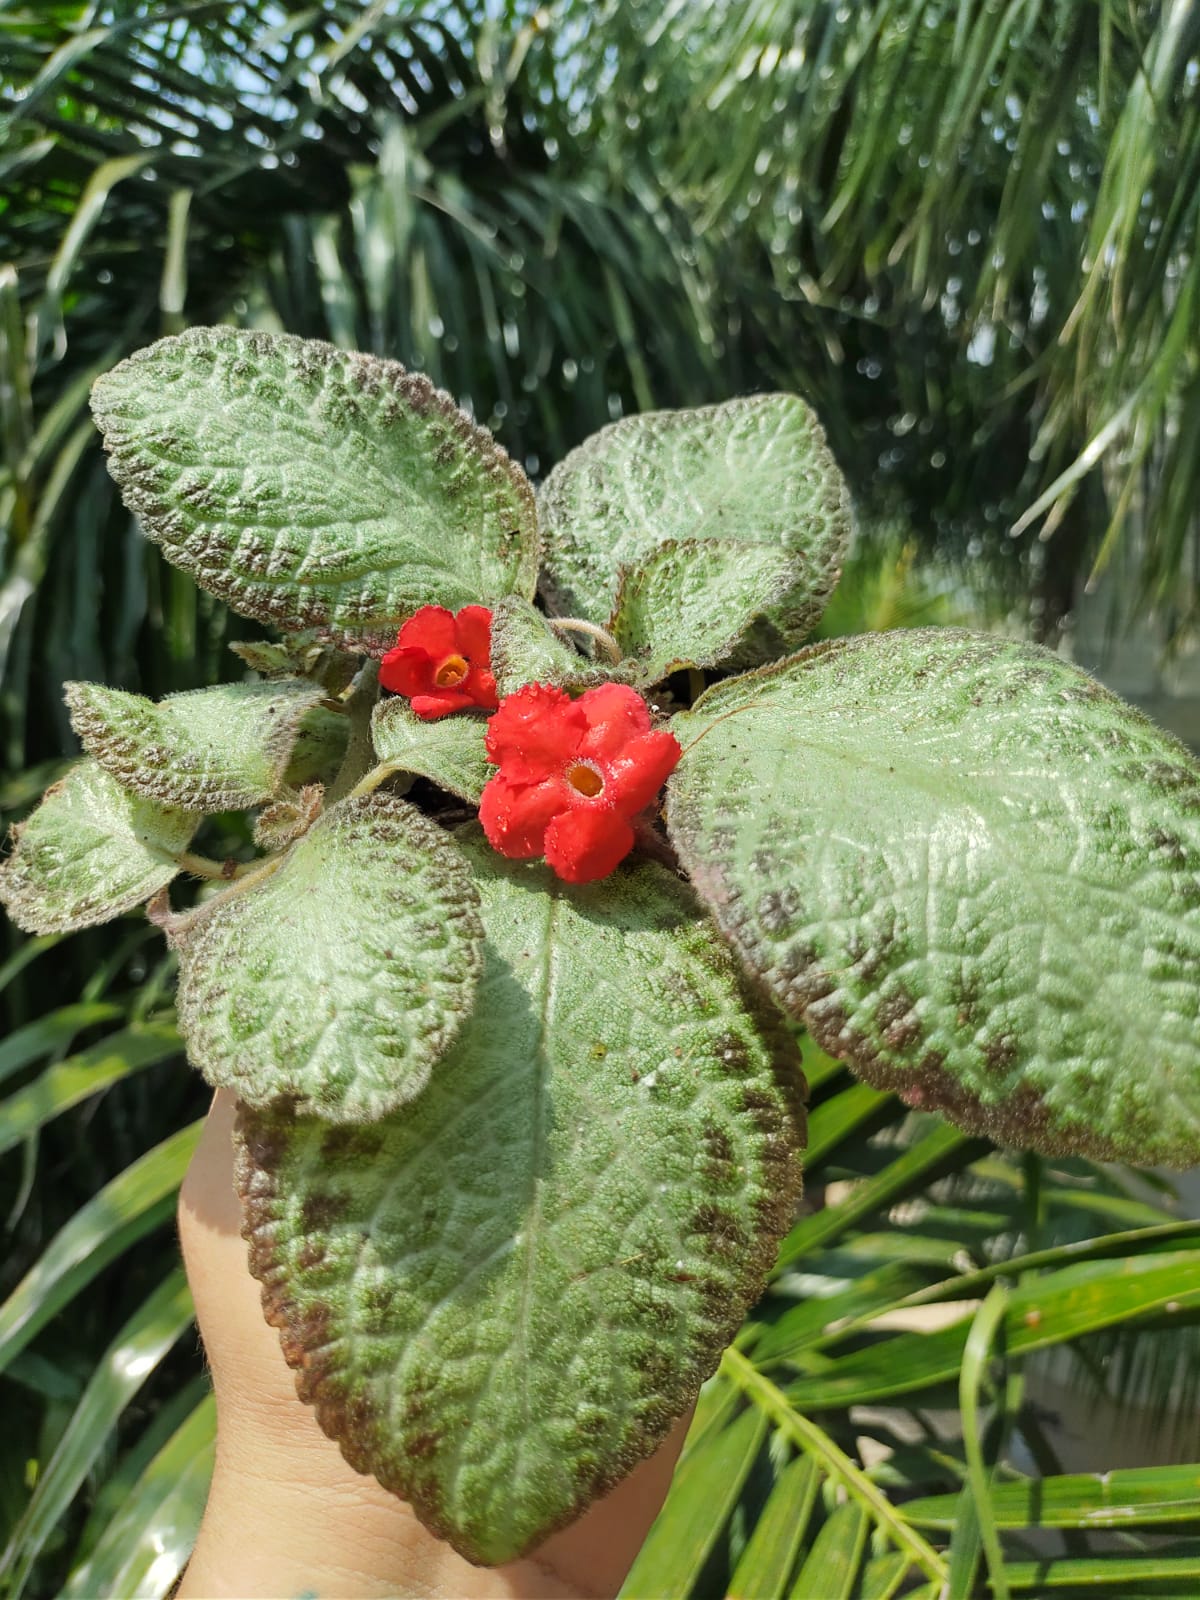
342 977
686 605
321 741
219 749
526 649
449 752
499 1300
299 655
974 873
312 487
90 851
750 483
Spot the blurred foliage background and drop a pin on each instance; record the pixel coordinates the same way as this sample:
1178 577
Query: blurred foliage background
967 231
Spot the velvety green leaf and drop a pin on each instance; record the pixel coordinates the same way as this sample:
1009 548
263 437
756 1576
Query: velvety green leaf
313 487
972 871
150 1539
90 851
770 1553
131 1358
747 497
687 603
703 1493
321 741
342 976
218 749
284 821
526 649
126 1209
449 751
299 654
69 1082
500 1298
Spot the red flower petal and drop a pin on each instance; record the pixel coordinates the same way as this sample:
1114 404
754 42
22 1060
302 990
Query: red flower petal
515 815
615 714
473 624
406 671
430 629
480 686
535 733
634 777
440 703
587 842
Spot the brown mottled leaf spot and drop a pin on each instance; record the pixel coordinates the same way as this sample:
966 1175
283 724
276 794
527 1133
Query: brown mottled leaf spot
971 872
311 487
553 1243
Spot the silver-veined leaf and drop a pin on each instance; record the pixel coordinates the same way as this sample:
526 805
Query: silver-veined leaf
973 872
341 977
312 487
218 749
500 1298
90 851
708 534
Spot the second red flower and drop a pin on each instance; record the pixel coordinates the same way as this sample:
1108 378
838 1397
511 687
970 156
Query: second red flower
573 773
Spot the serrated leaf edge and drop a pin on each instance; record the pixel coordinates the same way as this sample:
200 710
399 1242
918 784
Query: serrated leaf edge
102 737
416 390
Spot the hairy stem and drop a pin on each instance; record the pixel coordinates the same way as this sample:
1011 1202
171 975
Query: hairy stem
360 752
206 867
593 631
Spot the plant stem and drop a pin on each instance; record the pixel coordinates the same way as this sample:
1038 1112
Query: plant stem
593 631
816 1442
376 776
206 867
360 752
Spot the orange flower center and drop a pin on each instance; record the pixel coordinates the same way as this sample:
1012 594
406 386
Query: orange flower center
451 672
585 780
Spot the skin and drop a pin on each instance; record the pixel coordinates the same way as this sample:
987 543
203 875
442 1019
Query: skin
286 1515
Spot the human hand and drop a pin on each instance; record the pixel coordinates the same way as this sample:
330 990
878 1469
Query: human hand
286 1515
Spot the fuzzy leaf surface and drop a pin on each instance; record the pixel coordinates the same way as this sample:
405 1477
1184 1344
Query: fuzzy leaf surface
90 851
449 752
218 749
342 978
972 871
299 655
321 741
311 487
499 1300
753 475
526 649
686 605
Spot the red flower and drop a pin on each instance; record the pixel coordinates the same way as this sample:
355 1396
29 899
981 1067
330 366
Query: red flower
572 774
442 662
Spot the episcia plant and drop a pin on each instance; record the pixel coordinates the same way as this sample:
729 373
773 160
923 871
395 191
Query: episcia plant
520 1092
